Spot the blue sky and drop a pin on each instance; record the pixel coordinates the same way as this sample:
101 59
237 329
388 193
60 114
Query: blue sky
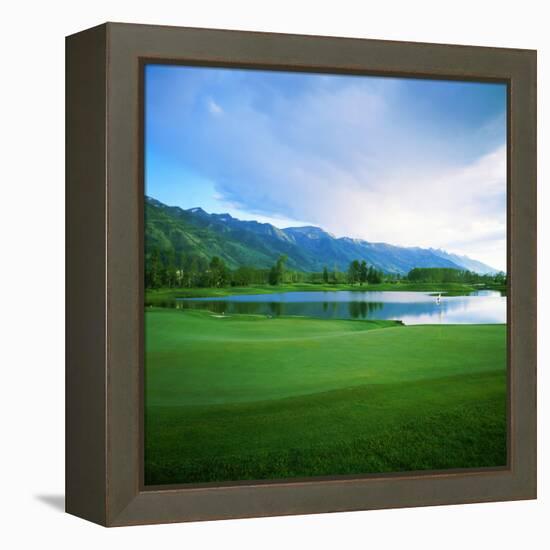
404 161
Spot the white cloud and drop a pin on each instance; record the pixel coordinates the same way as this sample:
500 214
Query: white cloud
213 107
461 209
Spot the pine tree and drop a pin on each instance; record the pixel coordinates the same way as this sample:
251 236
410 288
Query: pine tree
363 272
353 272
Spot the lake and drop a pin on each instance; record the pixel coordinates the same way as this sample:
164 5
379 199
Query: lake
413 308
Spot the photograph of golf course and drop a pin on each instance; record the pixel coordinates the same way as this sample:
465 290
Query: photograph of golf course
325 275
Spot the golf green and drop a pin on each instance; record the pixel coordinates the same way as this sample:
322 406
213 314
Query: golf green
250 397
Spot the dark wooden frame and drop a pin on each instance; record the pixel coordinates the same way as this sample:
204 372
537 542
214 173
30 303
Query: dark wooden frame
105 267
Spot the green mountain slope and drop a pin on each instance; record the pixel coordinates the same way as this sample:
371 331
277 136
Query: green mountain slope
250 243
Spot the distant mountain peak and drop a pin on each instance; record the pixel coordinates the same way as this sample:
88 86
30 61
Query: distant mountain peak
225 217
305 228
465 262
308 231
155 202
196 210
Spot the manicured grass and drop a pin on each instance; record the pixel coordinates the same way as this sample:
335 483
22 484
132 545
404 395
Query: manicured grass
164 296
246 397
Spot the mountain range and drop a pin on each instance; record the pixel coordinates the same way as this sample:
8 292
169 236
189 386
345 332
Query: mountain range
251 243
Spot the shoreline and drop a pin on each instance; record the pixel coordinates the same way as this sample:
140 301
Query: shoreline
160 296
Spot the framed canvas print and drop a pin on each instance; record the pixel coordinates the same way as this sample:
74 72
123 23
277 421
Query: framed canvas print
301 274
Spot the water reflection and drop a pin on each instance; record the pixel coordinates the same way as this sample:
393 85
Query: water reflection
410 307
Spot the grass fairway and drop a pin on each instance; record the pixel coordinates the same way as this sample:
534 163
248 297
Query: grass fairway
245 397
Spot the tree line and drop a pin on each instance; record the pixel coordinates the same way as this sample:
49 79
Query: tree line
166 269
450 275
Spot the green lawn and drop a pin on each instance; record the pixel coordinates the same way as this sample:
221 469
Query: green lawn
245 397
